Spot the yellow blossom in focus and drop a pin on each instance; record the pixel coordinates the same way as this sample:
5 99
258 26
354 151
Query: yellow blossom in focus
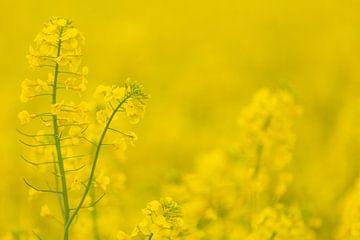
162 220
118 93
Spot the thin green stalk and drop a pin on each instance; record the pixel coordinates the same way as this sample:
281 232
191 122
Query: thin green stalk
94 216
93 168
57 186
58 144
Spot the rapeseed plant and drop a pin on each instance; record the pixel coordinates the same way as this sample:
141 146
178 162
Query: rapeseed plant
238 193
67 129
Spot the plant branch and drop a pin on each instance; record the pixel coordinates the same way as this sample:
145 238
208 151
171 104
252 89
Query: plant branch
41 190
96 157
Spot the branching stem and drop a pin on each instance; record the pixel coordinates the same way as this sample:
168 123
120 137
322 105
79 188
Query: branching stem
94 164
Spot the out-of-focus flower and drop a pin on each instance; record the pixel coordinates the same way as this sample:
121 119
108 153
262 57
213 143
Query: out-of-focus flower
24 117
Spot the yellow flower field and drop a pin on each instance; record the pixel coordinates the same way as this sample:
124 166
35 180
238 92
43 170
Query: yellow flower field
165 120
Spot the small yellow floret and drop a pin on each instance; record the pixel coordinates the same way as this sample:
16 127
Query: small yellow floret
24 117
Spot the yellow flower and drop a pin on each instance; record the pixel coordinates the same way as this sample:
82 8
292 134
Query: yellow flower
123 236
349 227
121 144
102 116
104 91
44 49
81 112
27 90
75 132
56 108
102 180
69 33
162 219
26 95
267 128
24 117
60 22
82 86
118 93
284 180
33 194
134 110
74 63
281 221
153 205
143 226
132 137
45 211
41 86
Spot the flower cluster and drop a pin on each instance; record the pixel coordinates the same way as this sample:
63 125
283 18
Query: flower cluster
267 139
58 42
162 220
349 228
230 188
57 47
131 95
267 128
280 222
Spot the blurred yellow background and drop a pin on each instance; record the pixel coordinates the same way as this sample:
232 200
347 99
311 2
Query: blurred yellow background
201 61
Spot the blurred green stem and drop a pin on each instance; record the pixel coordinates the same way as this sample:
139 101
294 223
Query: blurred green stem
58 144
94 216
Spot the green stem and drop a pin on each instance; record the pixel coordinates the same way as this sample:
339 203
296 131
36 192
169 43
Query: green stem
57 185
93 168
58 144
94 217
